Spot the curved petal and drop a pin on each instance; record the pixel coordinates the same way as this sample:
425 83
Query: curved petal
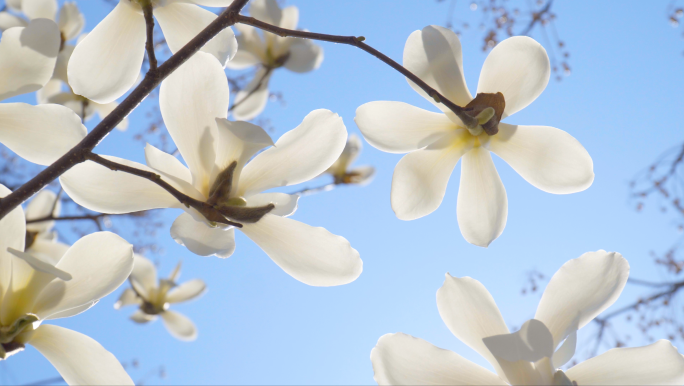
299 155
482 207
71 21
363 175
14 5
49 250
144 274
266 10
532 343
251 101
42 205
107 62
50 90
62 65
471 314
79 359
546 157
201 239
285 204
7 21
74 311
104 190
13 231
400 359
190 100
189 290
27 57
166 163
397 127
305 56
140 317
238 141
179 326
656 364
434 55
519 68
311 255
349 154
421 177
583 287
251 48
35 9
40 134
182 22
128 298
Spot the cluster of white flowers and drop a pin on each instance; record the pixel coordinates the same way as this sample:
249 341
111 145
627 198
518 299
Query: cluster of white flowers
230 166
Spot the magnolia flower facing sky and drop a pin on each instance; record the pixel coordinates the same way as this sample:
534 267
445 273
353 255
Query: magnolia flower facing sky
37 287
269 52
39 134
514 74
107 62
154 299
194 103
576 294
340 169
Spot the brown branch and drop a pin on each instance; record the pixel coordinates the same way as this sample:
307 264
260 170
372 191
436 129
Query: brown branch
468 120
208 211
253 90
152 79
149 44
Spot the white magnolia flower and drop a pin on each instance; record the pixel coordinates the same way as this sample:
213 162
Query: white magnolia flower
35 288
340 171
576 294
39 134
154 299
269 53
40 238
69 20
194 102
107 62
514 74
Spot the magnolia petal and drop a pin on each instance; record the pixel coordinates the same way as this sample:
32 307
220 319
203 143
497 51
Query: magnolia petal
79 359
7 21
299 155
107 62
179 326
267 11
656 364
48 250
202 239
565 352
434 55
519 68
42 205
482 207
13 231
189 290
397 127
62 65
27 57
35 9
400 359
285 204
104 190
166 163
180 23
140 317
311 255
51 89
14 5
212 3
74 311
421 177
251 48
251 101
71 21
190 100
305 56
98 264
105 109
238 141
144 275
41 265
349 153
583 287
546 157
471 314
40 134
363 175
128 298
531 343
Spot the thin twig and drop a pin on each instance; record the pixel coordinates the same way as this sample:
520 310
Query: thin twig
537 17
253 90
468 120
149 44
152 79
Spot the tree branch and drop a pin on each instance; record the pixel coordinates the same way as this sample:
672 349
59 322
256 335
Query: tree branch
208 211
149 44
152 79
468 120
253 90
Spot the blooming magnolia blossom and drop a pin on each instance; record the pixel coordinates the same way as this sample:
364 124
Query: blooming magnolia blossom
107 62
154 299
340 169
269 53
38 287
194 102
576 294
70 20
40 238
513 75
39 134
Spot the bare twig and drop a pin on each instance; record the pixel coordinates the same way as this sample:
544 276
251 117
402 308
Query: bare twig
79 153
253 90
149 44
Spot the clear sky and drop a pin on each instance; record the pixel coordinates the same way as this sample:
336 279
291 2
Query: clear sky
257 325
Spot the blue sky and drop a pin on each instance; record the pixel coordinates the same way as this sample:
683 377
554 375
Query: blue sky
257 325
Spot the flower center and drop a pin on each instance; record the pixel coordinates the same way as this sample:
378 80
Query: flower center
10 336
488 109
